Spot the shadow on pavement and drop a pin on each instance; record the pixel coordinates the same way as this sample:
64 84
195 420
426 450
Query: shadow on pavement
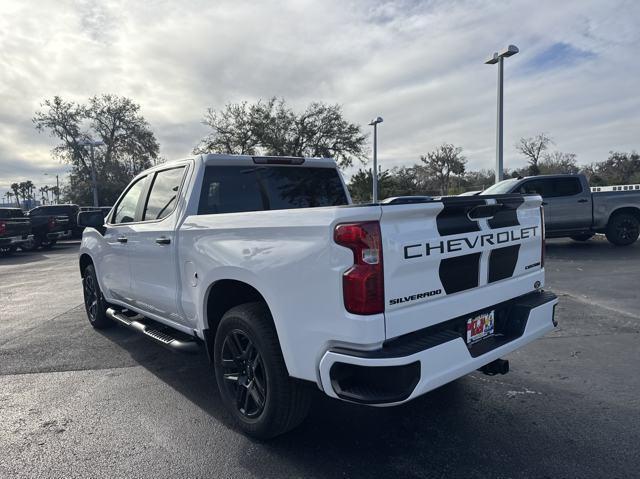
22 257
468 428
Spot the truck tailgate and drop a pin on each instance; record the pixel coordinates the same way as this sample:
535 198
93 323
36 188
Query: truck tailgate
16 227
457 255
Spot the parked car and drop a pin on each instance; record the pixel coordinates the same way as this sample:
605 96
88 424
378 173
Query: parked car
15 229
69 210
288 286
46 229
572 210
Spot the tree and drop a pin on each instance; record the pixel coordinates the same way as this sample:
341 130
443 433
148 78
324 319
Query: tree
533 149
361 185
479 180
620 168
272 128
9 195
15 187
442 163
558 163
129 144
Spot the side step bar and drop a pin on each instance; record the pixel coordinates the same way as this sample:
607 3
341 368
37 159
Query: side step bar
161 337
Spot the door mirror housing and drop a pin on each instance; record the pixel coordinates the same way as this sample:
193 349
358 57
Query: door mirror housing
92 219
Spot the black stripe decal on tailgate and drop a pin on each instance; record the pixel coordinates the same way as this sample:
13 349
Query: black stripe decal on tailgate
502 262
508 215
453 218
460 272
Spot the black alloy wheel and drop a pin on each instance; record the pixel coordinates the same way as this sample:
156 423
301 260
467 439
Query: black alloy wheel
90 298
627 229
252 376
623 229
94 303
244 373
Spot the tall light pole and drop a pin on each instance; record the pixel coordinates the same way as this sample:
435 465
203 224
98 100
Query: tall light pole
92 144
499 59
374 176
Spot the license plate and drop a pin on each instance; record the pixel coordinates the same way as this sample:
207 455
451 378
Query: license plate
480 327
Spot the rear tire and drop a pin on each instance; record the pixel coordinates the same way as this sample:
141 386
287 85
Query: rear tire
251 374
582 237
94 303
623 229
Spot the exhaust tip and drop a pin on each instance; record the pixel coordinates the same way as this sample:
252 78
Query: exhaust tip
499 366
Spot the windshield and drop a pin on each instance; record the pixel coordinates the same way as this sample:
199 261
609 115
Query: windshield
500 188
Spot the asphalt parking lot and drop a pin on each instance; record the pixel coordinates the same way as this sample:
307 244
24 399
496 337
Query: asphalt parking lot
75 402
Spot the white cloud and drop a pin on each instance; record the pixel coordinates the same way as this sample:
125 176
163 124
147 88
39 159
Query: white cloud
418 64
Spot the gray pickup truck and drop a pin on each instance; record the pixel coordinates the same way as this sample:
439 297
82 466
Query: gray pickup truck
572 210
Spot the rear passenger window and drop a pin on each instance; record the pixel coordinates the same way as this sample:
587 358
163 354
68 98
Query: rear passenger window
565 186
552 187
233 189
164 194
126 209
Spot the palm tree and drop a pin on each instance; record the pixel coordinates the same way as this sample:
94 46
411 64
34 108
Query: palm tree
9 195
16 192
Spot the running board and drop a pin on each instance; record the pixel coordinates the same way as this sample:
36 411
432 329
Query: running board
161 337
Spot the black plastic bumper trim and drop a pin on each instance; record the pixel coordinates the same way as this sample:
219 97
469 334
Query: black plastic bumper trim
510 321
374 385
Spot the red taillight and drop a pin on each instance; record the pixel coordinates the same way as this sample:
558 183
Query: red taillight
543 238
52 222
3 227
363 283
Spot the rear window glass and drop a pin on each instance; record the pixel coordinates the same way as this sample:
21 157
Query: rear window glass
233 189
11 213
52 210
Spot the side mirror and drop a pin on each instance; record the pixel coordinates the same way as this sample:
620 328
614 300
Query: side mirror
91 219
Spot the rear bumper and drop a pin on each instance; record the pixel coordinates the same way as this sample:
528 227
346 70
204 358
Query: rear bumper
59 235
413 364
15 240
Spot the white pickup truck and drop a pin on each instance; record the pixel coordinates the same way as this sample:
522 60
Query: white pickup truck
265 262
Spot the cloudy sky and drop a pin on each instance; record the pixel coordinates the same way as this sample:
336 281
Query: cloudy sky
417 64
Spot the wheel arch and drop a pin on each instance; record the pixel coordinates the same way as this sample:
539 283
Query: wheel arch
221 296
633 210
84 261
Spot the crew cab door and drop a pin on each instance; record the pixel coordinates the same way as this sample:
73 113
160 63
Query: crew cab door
114 268
153 256
567 206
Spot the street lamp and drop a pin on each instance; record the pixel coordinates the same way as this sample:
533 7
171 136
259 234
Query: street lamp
92 144
374 123
499 59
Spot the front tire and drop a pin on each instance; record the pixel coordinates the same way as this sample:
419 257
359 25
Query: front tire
94 303
623 229
251 374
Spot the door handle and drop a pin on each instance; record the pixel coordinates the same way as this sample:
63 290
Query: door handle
544 203
583 200
163 240
121 239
